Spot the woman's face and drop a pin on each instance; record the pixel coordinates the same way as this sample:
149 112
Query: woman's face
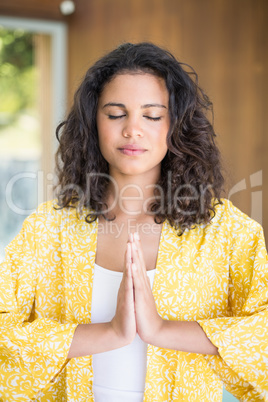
133 122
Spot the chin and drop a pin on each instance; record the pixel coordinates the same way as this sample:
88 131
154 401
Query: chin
131 169
133 172
135 169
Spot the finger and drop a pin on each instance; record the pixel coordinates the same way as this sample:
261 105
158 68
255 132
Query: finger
130 237
138 257
139 278
129 262
127 274
138 282
137 242
129 279
128 255
125 264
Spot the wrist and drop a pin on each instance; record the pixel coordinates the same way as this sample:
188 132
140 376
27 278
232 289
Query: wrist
185 336
118 337
156 334
94 338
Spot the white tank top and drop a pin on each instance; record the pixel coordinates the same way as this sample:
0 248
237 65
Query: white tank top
118 375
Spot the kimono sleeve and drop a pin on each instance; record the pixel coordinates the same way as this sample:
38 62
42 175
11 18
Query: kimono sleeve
31 353
242 338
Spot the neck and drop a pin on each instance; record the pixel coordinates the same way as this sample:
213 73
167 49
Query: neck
131 195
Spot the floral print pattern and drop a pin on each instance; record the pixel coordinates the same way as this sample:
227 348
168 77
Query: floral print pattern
216 274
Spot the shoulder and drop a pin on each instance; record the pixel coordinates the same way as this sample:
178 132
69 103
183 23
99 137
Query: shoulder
48 226
49 215
233 218
233 226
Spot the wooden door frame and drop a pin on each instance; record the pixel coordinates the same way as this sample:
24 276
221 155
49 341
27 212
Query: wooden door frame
53 39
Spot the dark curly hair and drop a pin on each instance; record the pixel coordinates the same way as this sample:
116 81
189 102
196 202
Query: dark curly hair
191 178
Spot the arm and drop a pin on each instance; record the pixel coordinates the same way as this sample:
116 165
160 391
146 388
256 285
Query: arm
100 337
241 337
32 354
177 335
186 336
89 339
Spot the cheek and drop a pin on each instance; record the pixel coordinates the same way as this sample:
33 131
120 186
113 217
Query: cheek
102 125
103 144
103 133
106 144
162 137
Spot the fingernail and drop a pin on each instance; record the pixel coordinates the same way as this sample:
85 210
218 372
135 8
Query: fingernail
136 236
134 267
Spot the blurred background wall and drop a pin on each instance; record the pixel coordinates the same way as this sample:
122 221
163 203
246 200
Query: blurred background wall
225 41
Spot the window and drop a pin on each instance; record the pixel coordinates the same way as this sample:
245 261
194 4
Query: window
32 103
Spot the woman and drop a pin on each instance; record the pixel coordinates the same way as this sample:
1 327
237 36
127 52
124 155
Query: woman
139 282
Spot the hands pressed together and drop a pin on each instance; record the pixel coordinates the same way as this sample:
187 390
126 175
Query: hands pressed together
136 313
136 310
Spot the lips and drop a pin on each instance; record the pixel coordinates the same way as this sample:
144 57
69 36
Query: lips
132 150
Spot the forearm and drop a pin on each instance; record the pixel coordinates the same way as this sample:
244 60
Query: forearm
186 336
89 339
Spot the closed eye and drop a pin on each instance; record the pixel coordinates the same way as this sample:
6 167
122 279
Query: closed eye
112 117
153 118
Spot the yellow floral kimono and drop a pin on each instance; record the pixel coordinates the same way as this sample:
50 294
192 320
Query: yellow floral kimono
215 274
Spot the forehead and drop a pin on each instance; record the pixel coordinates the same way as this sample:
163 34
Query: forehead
135 85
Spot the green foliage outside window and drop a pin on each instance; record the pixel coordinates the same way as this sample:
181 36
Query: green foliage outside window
19 131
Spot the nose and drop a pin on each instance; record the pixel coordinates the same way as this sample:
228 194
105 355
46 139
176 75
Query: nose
132 128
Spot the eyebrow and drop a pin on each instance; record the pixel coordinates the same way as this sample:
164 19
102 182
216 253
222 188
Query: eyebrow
143 106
